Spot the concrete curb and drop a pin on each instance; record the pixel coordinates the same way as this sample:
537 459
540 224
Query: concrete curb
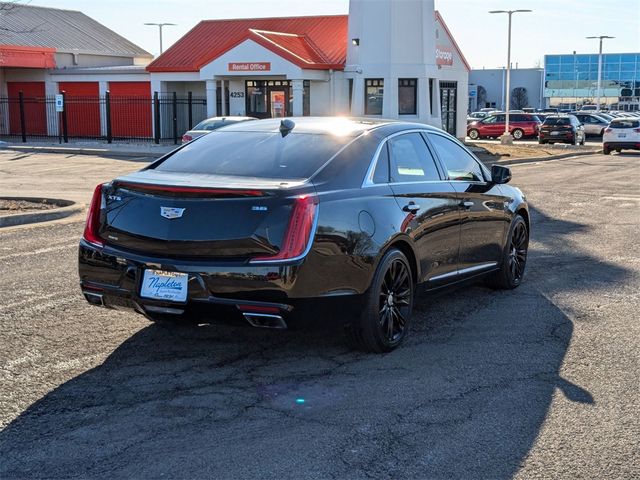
69 208
515 161
90 151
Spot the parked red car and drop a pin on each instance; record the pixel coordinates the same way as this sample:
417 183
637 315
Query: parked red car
521 125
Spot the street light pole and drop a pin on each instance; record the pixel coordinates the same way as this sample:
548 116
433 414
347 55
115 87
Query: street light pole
601 37
160 25
506 137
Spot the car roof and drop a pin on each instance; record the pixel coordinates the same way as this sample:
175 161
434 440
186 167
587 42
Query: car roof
228 117
352 126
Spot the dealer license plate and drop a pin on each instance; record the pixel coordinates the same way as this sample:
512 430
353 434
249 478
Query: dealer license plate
622 135
171 286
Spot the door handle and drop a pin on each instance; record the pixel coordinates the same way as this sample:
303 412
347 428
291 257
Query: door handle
411 207
466 205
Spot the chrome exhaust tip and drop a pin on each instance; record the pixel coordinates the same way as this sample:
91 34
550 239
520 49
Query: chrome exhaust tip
264 320
94 298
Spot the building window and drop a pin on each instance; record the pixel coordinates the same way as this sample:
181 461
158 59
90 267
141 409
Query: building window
350 93
431 98
373 94
256 98
306 98
407 95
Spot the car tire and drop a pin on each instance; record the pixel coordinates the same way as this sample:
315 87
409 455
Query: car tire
542 142
474 134
517 134
514 257
386 313
606 150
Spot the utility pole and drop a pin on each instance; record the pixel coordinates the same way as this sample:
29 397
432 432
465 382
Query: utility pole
506 136
599 92
160 25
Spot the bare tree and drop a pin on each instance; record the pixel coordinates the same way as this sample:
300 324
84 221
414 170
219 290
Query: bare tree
519 98
482 96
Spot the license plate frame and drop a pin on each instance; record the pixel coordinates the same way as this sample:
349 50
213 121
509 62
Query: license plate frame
164 285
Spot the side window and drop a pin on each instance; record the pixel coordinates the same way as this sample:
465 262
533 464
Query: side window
489 120
501 118
381 174
459 163
411 160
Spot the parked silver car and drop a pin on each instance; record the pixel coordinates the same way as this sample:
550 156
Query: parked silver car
210 124
593 123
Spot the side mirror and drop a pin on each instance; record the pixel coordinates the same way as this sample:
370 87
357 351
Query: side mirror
500 174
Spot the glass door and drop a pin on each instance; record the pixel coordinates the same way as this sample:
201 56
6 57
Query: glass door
448 105
278 103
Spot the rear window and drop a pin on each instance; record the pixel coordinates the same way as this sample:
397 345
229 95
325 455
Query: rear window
255 154
557 121
211 124
624 123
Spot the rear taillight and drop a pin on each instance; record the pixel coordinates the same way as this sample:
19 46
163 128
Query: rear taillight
299 230
92 226
608 130
637 130
186 138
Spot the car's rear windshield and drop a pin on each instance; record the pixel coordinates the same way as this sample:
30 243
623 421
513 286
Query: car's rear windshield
625 123
255 154
211 124
557 121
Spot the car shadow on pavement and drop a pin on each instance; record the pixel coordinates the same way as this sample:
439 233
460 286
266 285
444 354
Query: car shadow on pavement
465 397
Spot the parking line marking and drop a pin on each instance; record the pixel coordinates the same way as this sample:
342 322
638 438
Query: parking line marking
39 251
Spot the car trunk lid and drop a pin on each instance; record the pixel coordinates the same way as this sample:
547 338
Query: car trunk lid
176 215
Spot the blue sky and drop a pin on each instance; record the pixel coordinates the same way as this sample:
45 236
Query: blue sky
555 26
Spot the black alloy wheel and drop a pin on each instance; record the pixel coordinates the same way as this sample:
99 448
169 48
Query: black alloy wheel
394 301
518 251
384 321
514 258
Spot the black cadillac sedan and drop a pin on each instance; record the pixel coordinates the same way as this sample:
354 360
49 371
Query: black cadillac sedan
307 219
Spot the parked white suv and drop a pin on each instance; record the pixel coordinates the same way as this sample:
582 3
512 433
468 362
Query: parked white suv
622 134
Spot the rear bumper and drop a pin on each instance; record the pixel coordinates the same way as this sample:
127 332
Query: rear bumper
112 278
562 137
622 145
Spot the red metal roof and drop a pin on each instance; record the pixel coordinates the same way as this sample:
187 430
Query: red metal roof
317 42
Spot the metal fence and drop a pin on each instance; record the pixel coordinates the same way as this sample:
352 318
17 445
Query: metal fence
161 118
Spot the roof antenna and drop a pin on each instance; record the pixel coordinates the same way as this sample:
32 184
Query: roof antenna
286 126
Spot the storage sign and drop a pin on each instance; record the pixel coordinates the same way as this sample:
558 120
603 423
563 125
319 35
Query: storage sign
444 55
59 103
250 67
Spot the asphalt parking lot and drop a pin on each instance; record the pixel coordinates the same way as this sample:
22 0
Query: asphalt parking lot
540 382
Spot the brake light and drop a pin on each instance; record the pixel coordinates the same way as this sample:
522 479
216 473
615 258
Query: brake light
637 130
186 138
299 230
92 226
608 130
